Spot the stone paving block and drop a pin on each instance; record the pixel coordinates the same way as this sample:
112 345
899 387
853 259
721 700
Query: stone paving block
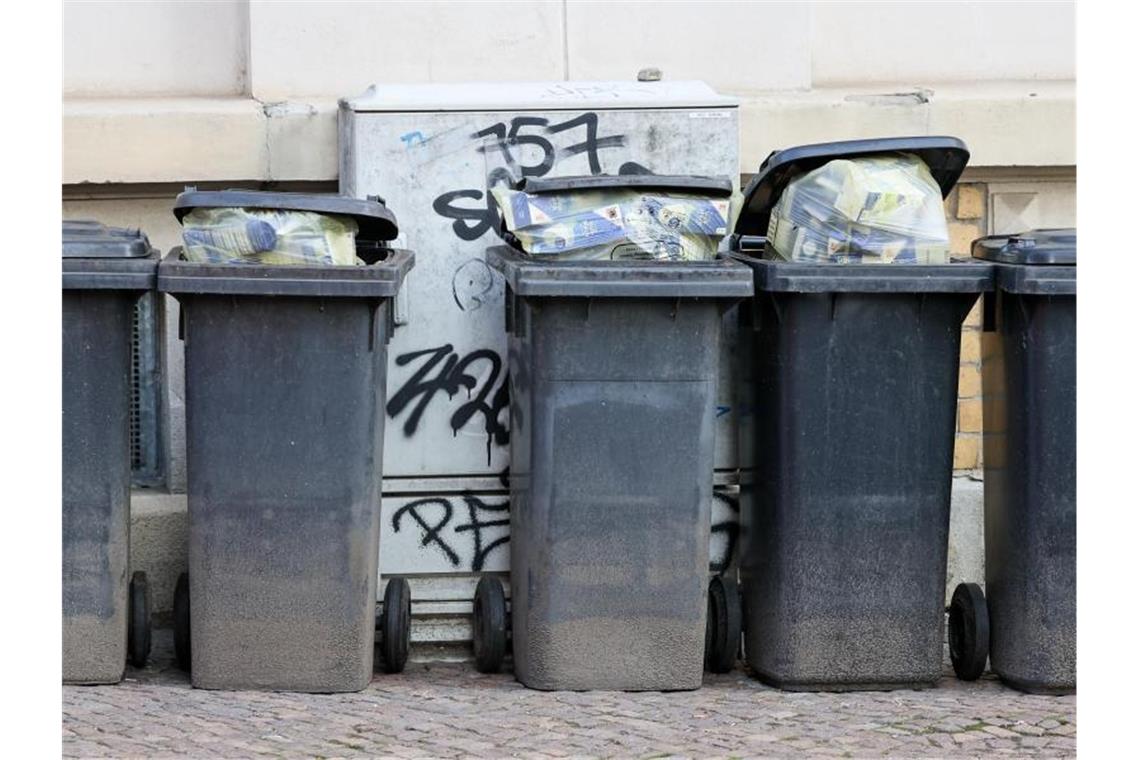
1001 732
967 737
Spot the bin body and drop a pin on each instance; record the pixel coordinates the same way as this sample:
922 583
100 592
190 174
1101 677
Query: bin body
285 383
104 272
1029 449
851 378
613 400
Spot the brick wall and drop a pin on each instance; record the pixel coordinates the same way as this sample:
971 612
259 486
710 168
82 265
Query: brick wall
966 216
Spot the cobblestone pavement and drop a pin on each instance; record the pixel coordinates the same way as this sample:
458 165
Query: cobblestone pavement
450 710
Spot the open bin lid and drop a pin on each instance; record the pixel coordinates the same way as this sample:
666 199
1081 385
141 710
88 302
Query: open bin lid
88 239
375 220
718 186
1056 247
946 158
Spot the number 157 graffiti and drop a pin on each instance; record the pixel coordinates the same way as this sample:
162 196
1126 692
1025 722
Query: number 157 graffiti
471 222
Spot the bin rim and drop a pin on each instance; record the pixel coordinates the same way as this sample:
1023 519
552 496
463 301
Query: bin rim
373 217
721 187
796 277
110 274
531 277
380 280
91 239
945 156
1030 280
1038 247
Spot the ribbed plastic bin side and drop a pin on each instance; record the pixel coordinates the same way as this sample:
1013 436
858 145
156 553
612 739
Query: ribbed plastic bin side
1029 450
852 388
104 272
613 393
285 386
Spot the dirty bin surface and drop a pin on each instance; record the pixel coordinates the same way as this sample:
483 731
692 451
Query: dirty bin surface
1029 383
846 509
613 392
848 383
285 386
104 272
285 383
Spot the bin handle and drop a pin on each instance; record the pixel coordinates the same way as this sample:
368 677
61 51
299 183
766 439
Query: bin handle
753 310
989 311
380 307
513 320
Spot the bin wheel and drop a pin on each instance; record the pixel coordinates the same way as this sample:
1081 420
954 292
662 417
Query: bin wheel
723 625
969 631
182 622
138 620
396 625
489 625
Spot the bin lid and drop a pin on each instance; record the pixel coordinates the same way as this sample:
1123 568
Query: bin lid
375 220
89 239
719 186
1040 247
945 156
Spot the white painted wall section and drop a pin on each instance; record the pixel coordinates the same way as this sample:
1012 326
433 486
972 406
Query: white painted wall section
733 46
154 48
941 42
339 48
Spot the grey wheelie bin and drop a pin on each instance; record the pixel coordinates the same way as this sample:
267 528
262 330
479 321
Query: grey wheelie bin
613 372
285 383
849 377
105 619
1026 619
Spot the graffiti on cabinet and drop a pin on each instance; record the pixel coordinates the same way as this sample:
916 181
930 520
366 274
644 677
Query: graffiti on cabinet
467 530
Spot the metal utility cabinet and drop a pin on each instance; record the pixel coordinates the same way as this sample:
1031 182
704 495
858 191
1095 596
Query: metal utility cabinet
432 151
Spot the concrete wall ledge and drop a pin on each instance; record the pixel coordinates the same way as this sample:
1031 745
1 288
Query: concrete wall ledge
158 545
1003 123
140 140
203 139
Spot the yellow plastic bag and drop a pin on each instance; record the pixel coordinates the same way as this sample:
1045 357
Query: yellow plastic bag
260 236
886 209
615 224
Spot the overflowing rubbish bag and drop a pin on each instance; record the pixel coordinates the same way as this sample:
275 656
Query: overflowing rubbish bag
592 219
268 236
875 210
